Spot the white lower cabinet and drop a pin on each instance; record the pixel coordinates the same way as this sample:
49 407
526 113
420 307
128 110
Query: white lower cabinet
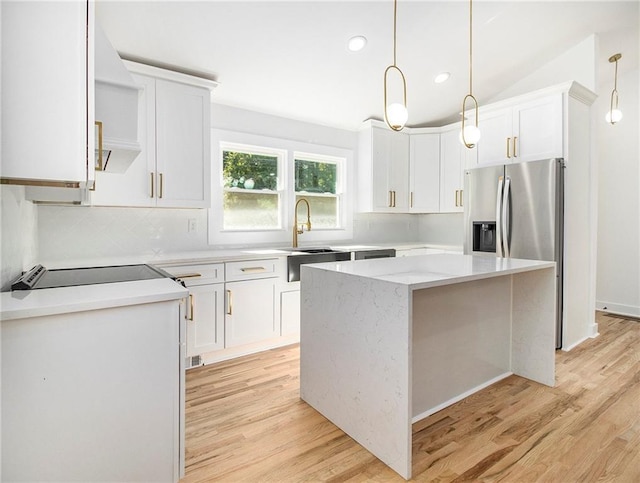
290 312
250 311
205 319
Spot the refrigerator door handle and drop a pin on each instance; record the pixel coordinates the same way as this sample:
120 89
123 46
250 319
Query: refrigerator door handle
505 216
499 251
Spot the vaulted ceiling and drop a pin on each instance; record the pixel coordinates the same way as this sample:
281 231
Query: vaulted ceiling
289 58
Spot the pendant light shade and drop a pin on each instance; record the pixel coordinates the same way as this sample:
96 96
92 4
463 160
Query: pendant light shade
614 114
395 113
470 133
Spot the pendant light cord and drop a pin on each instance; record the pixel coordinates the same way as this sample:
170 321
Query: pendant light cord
395 16
470 47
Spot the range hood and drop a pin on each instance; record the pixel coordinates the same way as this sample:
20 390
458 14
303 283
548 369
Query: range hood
116 109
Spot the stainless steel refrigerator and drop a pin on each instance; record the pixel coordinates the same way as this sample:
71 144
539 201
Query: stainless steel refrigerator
516 210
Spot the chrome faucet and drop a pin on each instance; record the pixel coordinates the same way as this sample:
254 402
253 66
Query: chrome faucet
299 231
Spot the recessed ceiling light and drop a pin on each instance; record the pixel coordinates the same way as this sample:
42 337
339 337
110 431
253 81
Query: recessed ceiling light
441 77
357 43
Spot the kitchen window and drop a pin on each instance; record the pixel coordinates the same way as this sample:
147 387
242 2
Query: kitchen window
258 180
317 179
251 199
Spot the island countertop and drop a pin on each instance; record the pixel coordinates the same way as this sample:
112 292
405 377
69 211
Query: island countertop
427 271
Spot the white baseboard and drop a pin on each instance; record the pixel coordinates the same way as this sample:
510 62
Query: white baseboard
233 352
618 309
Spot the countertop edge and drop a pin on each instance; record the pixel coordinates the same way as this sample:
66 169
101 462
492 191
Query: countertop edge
38 303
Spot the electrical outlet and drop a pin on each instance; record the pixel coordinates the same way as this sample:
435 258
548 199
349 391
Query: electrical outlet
193 225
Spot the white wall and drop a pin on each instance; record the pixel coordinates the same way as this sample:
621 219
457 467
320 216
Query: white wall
576 64
68 233
18 219
618 268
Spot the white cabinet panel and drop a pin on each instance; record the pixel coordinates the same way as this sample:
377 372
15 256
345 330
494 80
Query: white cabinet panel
452 156
528 131
424 173
183 153
205 319
174 166
538 129
383 174
290 312
250 313
47 93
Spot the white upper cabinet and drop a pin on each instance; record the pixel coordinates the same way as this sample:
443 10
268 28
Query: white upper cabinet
383 175
424 172
452 156
174 166
47 94
527 131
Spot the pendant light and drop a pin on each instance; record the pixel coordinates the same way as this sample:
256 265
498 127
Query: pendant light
614 114
395 114
470 134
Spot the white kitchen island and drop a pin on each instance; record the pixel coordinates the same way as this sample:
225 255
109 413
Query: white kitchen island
387 342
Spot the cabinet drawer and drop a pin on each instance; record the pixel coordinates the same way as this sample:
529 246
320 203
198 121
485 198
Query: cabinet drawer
193 275
252 269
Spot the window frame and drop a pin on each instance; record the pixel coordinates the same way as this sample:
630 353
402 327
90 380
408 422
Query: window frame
280 155
288 149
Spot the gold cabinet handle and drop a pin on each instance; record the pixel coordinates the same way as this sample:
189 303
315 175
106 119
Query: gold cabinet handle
161 187
189 275
411 200
394 199
515 140
152 190
508 147
229 303
190 316
253 269
99 167
390 199
457 197
461 202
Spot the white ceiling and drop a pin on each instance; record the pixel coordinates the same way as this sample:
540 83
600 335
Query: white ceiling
289 58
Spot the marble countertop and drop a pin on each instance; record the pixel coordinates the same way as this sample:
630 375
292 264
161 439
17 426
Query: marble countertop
225 255
426 271
34 303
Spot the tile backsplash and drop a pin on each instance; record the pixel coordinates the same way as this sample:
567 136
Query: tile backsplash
78 232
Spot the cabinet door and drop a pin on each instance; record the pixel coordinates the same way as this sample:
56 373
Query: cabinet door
250 312
537 129
205 319
47 92
495 145
451 171
390 170
136 186
183 145
424 173
290 312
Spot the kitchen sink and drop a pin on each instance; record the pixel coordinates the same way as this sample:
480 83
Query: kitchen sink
300 256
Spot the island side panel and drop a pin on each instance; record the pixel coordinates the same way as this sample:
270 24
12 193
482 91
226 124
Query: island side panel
355 360
461 341
533 325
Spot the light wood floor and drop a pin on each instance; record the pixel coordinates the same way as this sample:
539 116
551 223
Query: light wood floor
245 422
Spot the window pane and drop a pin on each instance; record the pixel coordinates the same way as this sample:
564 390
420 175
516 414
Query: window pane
246 210
315 176
250 171
324 211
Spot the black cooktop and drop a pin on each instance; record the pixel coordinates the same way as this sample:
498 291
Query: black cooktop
39 277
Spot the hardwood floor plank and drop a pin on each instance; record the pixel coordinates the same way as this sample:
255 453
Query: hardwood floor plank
245 422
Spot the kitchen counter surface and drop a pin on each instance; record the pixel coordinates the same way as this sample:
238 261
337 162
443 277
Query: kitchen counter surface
22 304
426 271
232 254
